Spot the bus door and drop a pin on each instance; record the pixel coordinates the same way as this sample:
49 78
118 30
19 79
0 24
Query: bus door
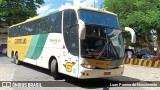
71 51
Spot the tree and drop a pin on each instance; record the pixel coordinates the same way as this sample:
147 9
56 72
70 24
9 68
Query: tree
15 11
141 15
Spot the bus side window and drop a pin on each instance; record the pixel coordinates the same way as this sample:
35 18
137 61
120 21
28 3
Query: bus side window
32 28
66 19
10 32
23 29
52 24
57 22
26 29
19 30
73 31
70 30
39 26
45 23
36 26
15 31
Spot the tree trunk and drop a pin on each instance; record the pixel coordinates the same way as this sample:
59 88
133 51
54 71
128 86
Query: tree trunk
151 48
158 42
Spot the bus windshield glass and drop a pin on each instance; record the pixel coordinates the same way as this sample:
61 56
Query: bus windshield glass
98 18
103 38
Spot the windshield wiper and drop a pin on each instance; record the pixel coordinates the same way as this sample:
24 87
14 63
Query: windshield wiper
107 43
102 51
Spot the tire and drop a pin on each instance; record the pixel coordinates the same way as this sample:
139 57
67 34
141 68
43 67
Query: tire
12 57
16 61
54 69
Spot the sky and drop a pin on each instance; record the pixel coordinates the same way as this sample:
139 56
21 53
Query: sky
51 5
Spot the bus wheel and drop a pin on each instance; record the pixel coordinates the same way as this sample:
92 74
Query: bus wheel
54 69
12 57
16 61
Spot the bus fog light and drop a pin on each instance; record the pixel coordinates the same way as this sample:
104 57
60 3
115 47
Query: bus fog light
88 66
121 66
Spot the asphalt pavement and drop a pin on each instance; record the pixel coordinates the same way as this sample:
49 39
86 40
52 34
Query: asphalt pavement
26 72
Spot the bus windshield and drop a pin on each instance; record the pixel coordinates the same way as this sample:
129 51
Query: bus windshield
98 18
103 38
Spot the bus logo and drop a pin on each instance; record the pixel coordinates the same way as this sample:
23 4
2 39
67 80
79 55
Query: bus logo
69 66
20 41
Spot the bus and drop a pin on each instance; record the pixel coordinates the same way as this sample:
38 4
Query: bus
80 42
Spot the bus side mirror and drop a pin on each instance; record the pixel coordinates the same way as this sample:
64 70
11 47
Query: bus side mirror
132 32
82 29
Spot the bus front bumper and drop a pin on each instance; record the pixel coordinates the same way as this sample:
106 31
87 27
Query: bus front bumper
100 73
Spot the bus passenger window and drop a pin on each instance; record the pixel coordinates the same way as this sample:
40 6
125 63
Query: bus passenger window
70 30
59 24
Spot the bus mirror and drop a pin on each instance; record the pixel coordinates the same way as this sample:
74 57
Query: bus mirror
82 29
132 32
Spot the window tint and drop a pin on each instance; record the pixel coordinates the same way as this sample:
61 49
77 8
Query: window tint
66 19
98 18
47 24
69 19
57 23
70 31
73 40
53 17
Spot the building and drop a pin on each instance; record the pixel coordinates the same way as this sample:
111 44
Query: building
3 38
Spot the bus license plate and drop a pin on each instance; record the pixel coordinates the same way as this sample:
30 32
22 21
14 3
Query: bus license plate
107 73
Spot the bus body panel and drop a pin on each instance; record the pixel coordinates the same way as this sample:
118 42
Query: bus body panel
104 68
101 73
52 47
19 44
68 63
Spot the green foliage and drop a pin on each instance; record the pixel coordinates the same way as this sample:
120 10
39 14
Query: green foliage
141 15
14 11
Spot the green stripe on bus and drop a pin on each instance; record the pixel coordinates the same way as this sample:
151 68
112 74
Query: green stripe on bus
36 46
32 46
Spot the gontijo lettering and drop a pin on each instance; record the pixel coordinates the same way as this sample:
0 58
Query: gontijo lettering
20 41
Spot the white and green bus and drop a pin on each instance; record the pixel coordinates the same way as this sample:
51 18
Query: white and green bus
78 41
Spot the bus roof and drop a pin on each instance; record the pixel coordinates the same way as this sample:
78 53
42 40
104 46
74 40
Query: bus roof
90 8
76 8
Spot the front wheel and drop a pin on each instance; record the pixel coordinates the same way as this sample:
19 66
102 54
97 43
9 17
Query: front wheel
54 69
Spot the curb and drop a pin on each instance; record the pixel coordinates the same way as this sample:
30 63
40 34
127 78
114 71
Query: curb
141 62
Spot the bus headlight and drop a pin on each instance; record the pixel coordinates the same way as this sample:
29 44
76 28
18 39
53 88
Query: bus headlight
88 66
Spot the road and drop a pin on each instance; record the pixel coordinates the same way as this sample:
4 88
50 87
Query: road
27 72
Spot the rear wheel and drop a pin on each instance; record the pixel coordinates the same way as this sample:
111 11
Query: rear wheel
12 57
54 69
16 61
